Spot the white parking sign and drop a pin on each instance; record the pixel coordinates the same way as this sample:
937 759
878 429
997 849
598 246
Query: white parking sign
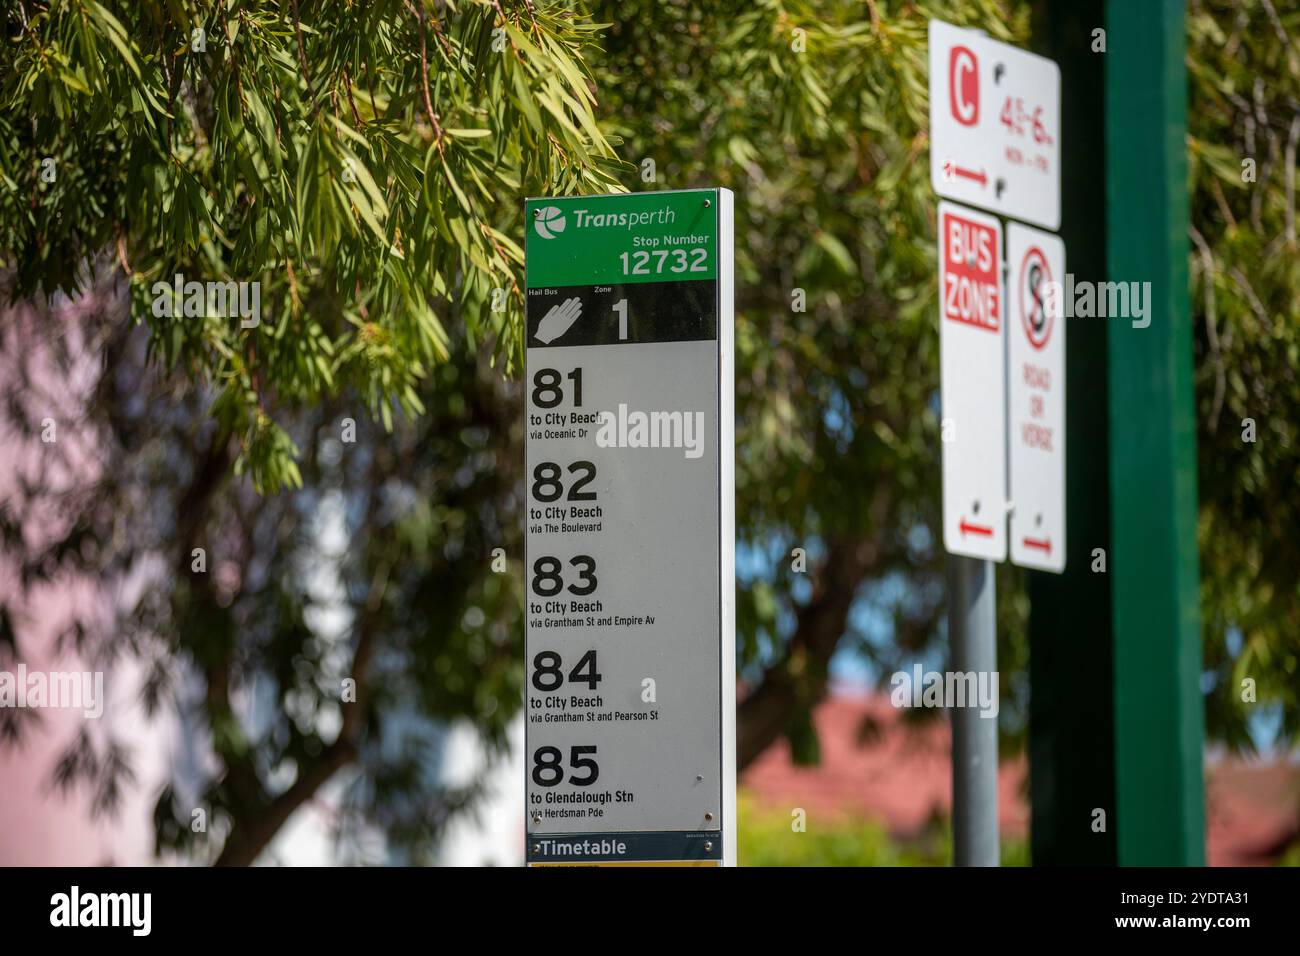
995 125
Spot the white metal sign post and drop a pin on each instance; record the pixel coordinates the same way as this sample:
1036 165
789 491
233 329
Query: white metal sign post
995 143
629 566
1036 372
972 326
995 126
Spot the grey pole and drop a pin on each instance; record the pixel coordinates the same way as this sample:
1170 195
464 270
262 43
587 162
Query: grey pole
972 615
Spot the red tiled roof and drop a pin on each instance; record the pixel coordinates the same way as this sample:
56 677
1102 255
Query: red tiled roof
1252 811
878 764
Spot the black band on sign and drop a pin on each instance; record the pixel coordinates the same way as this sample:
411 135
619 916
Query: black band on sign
684 311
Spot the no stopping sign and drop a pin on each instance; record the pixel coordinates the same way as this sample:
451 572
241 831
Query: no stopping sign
1032 296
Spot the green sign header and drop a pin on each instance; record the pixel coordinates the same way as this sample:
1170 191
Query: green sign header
626 238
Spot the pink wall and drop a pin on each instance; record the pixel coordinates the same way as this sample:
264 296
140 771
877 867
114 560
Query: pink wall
39 823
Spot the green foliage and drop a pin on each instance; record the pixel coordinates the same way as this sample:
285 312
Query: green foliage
837 422
363 161
766 838
1244 68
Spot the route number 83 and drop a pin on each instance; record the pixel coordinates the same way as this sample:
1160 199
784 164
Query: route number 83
548 581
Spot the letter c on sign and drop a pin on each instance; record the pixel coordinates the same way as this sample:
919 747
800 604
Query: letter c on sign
963 86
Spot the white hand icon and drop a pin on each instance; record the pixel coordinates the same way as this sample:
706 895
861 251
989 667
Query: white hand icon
558 320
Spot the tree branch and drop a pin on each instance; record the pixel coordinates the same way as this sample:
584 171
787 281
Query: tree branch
257 827
799 679
251 835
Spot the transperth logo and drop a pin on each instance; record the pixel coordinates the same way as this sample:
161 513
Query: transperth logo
549 222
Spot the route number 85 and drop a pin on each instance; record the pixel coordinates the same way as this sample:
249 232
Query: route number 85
548 769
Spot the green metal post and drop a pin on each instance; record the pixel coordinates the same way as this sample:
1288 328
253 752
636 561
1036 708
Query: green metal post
1153 567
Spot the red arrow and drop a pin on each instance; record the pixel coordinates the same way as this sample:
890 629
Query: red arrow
1044 544
980 529
981 177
